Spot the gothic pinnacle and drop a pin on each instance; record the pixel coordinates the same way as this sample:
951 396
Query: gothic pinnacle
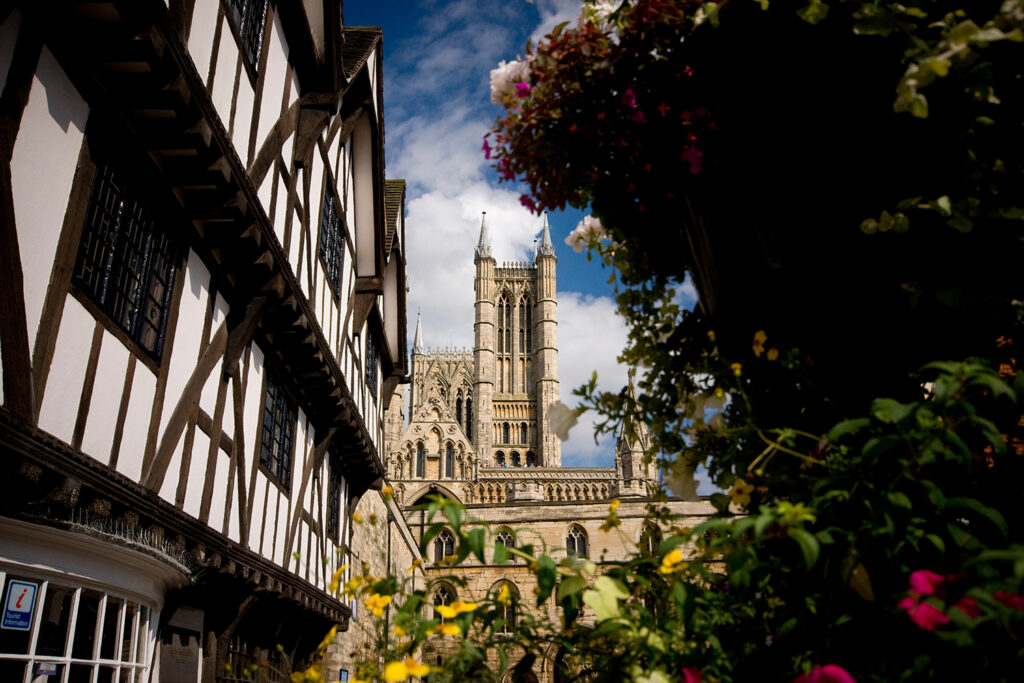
483 247
546 248
417 341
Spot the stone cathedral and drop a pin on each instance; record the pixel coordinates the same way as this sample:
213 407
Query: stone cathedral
478 423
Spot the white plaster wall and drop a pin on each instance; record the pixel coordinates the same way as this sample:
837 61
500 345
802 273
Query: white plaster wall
298 268
258 507
364 208
8 38
270 508
222 463
136 424
224 79
106 398
234 529
200 37
208 398
274 76
243 115
371 66
185 351
42 170
197 474
67 372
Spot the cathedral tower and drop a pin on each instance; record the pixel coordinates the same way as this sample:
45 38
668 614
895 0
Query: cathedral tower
516 357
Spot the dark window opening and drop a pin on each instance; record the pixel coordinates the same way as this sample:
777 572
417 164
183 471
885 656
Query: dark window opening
576 542
126 261
372 363
522 433
448 461
333 499
444 545
419 460
279 417
469 418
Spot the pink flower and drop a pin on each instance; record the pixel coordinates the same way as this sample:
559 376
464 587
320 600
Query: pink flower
924 615
688 70
487 149
830 673
526 201
924 582
522 89
692 155
1015 602
638 116
691 674
969 607
629 98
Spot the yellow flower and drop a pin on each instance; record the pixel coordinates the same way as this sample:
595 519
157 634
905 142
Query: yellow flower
740 493
773 353
335 583
759 339
310 675
328 639
376 603
711 335
614 505
373 518
399 671
400 632
353 584
447 629
415 565
672 562
357 518
387 492
719 393
736 369
446 611
504 595
461 607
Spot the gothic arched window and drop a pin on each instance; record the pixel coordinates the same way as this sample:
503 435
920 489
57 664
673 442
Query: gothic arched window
444 594
576 541
420 465
531 459
522 433
507 595
508 340
516 462
499 459
449 466
650 539
444 545
505 433
458 409
469 418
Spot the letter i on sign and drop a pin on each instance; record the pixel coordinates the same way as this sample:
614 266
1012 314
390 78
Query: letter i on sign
19 605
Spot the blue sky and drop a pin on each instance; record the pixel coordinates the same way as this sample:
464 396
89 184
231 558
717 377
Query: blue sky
438 55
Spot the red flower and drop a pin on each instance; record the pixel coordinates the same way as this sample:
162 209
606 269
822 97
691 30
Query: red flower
487 149
830 673
691 674
526 201
692 155
924 615
1015 602
688 70
629 98
924 582
969 607
663 109
522 89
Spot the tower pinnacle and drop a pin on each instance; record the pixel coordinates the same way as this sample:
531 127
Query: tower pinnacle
546 248
483 247
417 341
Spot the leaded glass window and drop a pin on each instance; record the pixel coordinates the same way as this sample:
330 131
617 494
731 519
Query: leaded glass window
332 242
333 499
372 364
126 260
419 460
279 417
444 545
443 595
449 465
249 18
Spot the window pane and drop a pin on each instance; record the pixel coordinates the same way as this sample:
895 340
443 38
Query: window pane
11 671
110 628
85 625
53 620
12 641
108 674
80 673
128 636
143 635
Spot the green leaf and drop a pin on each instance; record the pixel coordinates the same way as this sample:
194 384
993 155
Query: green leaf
899 499
936 541
814 12
847 427
570 586
976 506
684 595
808 545
604 597
720 501
547 575
963 32
943 206
476 539
960 223
500 553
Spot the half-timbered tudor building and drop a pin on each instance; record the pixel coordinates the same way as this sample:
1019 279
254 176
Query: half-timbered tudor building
202 319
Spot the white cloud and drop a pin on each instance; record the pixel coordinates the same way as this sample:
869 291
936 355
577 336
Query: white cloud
553 13
590 337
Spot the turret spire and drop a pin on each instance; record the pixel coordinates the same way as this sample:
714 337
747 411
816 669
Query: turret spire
417 341
483 247
546 248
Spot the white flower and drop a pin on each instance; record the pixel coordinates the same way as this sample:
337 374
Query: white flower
505 77
596 12
586 229
562 418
